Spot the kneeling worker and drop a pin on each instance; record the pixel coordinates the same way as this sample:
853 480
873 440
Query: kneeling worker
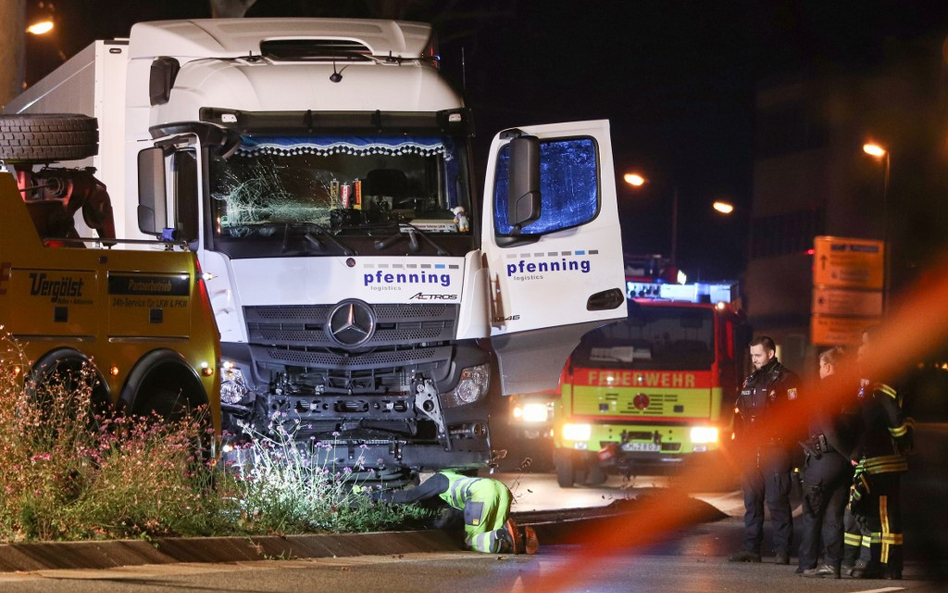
485 503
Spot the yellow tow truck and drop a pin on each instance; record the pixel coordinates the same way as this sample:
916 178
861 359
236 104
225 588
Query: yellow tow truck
136 312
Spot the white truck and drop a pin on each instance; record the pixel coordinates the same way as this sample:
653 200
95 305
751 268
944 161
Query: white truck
321 169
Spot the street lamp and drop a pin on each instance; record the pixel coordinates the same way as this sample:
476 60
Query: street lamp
723 207
40 27
879 152
637 180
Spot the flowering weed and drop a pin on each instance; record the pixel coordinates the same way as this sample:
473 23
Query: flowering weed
70 471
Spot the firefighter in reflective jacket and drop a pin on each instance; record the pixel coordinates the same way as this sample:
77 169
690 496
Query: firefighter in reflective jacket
767 477
873 539
485 503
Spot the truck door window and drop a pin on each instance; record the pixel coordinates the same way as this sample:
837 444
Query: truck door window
184 174
569 186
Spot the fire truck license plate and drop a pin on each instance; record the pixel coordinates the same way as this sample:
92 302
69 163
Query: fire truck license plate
649 447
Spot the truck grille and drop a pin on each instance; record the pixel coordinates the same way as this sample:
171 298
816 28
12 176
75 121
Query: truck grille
295 340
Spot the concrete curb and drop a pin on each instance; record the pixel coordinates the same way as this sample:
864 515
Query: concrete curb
110 554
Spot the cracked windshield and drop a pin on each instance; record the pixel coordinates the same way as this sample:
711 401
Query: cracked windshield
272 187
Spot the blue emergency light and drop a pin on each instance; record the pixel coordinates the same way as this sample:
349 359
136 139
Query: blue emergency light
699 292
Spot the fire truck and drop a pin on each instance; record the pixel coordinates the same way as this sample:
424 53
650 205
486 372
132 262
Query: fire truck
656 389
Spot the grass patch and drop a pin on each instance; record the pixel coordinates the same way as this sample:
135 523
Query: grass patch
68 473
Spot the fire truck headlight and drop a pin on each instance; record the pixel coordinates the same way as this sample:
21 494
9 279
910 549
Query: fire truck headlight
577 432
233 387
704 434
536 412
471 387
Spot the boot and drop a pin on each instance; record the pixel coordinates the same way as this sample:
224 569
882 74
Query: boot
744 556
517 544
530 542
823 571
870 571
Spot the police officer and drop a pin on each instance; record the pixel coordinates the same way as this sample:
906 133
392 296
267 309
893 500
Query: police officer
828 472
485 503
873 539
767 477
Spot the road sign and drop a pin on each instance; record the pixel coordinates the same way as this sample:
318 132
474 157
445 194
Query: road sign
843 262
846 303
834 331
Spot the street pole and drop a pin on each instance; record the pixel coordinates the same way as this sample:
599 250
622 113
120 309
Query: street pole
674 245
886 256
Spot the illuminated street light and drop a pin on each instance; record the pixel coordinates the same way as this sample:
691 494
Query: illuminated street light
879 152
40 27
634 179
723 207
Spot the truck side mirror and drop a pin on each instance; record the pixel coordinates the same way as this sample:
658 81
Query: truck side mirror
523 195
152 194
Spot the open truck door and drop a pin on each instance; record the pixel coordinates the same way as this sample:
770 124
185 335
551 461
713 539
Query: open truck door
552 245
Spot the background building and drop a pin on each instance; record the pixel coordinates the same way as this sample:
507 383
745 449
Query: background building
811 177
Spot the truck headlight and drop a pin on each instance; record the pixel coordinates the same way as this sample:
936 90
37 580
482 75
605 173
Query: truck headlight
233 387
577 432
471 387
535 412
704 434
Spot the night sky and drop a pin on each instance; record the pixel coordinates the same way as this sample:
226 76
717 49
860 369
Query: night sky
675 78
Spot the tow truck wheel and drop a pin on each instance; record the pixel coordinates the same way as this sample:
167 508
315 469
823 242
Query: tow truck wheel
47 137
164 387
70 371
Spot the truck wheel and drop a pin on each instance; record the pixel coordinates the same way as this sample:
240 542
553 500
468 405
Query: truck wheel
564 471
162 385
597 476
67 371
569 469
46 137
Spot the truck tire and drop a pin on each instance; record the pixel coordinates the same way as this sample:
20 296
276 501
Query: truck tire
596 475
569 469
47 137
69 370
163 387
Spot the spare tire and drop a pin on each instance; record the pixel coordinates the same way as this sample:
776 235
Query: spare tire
46 137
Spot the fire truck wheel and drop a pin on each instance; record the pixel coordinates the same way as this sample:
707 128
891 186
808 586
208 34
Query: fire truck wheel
596 475
569 469
46 137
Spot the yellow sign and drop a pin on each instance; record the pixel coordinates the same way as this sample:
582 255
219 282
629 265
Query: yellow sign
835 331
842 262
846 303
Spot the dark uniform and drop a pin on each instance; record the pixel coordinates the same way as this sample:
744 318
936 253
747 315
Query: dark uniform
828 473
767 478
873 539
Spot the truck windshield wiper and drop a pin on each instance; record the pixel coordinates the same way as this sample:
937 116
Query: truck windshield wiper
315 240
412 233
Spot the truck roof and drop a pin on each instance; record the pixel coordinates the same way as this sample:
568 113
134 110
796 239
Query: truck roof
223 38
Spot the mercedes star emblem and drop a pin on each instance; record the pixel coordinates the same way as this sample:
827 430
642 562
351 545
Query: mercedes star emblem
351 323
